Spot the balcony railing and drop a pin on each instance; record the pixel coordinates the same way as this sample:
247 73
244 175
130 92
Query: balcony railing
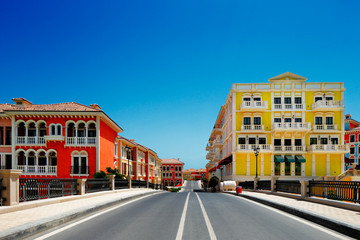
325 127
38 170
22 140
295 106
291 126
254 104
218 142
289 148
81 140
328 104
252 127
328 147
251 147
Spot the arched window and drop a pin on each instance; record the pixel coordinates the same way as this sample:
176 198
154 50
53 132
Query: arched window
53 130
21 130
166 183
42 161
79 163
31 129
71 130
81 130
52 158
42 129
92 130
21 158
59 129
171 182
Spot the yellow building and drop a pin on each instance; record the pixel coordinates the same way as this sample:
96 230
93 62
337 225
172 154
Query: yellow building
298 128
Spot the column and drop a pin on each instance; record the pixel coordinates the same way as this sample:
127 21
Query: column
247 164
342 164
282 169
272 165
313 165
303 169
234 165
292 169
327 164
11 183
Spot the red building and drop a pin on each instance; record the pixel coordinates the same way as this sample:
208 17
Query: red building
195 174
172 172
57 140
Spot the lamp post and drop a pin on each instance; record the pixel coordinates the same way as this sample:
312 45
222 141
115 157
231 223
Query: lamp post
128 152
256 152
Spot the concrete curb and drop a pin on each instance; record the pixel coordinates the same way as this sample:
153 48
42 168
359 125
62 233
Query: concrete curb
338 226
21 232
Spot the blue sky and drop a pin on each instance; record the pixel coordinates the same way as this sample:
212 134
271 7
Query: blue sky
162 69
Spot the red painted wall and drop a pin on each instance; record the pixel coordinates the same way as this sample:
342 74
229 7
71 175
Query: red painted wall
107 146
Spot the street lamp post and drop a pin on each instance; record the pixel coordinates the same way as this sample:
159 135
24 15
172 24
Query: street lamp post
256 152
128 152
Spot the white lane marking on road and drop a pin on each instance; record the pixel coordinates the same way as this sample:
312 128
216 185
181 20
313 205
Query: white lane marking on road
207 220
182 220
311 224
88 218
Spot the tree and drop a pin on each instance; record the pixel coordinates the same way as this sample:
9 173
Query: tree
100 174
115 172
214 181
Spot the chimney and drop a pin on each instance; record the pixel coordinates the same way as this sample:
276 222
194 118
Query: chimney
95 106
21 102
348 116
131 140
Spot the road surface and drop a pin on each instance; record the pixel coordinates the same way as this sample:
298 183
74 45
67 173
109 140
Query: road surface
190 215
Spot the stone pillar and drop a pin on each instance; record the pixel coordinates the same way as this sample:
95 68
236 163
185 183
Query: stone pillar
304 189
129 181
81 186
273 183
112 182
256 182
10 183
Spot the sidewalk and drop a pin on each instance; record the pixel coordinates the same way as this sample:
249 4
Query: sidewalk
25 218
341 220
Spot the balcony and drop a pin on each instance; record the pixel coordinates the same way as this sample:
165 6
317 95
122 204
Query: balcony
283 107
253 105
252 127
81 140
329 105
218 157
30 140
322 128
291 127
218 143
289 149
251 147
321 148
37 170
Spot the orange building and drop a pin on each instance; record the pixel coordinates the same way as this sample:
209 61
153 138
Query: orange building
61 140
195 174
137 161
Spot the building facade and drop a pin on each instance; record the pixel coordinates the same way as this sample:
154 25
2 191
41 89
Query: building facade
172 172
297 127
142 162
352 139
194 174
62 140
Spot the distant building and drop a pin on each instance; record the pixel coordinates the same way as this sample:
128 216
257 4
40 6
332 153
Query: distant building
352 139
194 174
63 140
172 172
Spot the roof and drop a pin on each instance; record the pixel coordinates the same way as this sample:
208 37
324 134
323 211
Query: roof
288 76
171 161
194 170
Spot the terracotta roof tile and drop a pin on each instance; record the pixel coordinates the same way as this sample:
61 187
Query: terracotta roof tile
171 161
57 107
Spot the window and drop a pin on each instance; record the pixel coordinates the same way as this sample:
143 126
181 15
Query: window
298 142
168 168
318 99
176 168
287 100
247 121
79 163
297 168
277 169
287 142
242 141
313 141
262 140
8 136
277 100
324 141
287 169
298 120
352 138
246 99
257 99
277 142
179 168
334 141
164 168
329 120
352 150
252 140
257 120
277 120
287 120
55 129
1 136
329 98
298 100
115 150
318 120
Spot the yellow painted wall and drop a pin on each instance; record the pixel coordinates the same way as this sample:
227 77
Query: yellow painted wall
266 120
240 164
267 164
335 164
238 100
320 164
308 164
309 100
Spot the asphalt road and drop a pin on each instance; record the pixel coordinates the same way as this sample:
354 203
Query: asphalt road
192 215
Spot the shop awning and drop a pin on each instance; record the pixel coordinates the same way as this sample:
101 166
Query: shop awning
226 161
278 159
300 158
289 158
349 160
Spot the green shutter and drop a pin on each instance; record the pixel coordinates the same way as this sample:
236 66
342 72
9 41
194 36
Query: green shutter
289 158
300 159
278 159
